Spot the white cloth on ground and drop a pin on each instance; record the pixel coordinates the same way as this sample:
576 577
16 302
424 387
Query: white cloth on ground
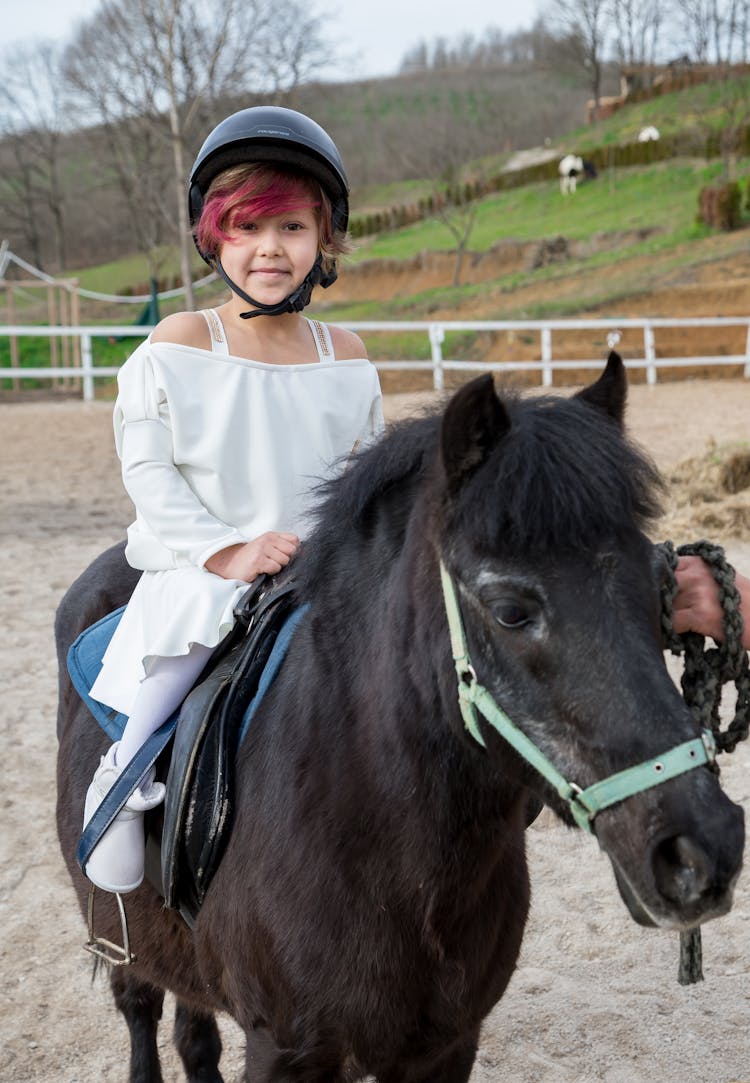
218 450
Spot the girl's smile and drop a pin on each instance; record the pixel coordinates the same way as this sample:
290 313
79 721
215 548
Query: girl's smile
272 253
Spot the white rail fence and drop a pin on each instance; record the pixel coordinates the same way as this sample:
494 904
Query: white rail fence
546 364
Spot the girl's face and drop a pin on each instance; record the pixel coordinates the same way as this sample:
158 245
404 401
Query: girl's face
270 256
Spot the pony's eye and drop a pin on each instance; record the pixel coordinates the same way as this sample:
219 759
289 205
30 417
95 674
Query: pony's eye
512 615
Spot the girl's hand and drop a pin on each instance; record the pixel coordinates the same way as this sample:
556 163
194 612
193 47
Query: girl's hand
696 605
267 554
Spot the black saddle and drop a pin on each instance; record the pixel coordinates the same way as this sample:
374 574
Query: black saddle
182 858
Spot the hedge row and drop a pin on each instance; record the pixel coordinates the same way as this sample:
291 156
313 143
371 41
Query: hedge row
683 144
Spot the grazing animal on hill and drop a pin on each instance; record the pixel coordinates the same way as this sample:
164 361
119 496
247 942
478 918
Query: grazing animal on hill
369 908
571 169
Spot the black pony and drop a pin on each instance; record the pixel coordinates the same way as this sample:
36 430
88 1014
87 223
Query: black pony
369 909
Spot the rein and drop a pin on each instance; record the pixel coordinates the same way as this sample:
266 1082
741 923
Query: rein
584 805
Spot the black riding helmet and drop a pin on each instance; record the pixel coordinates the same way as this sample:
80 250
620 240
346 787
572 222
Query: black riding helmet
276 135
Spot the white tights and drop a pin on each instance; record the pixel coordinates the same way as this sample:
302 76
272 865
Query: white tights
168 682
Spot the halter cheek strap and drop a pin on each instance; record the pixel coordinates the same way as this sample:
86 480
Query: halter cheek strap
583 804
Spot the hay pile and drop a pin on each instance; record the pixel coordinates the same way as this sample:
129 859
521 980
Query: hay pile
709 496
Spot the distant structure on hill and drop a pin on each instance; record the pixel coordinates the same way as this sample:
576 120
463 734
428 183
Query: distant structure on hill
640 82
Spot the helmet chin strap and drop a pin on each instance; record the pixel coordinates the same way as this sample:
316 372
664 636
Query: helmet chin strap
294 302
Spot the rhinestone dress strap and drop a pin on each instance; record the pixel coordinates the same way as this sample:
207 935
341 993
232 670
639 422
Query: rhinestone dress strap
216 330
323 343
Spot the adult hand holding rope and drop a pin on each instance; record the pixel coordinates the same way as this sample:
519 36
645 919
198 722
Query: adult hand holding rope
696 606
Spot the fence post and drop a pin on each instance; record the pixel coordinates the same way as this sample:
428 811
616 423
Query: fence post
87 368
650 353
437 337
546 336
747 354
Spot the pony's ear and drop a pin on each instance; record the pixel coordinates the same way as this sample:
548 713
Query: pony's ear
474 422
609 392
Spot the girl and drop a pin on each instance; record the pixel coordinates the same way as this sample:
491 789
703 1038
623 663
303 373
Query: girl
224 422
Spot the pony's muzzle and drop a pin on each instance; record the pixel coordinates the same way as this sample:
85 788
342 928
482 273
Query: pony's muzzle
682 870
686 876
695 874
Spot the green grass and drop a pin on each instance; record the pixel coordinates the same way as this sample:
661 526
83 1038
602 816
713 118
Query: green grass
663 196
661 200
132 273
36 353
699 108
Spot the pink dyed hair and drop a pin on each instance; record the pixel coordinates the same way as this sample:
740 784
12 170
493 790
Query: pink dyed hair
244 192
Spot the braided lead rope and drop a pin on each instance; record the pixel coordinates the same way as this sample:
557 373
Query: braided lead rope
707 670
705 673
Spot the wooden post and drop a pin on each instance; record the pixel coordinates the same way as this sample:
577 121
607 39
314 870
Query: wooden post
14 339
75 321
53 344
64 342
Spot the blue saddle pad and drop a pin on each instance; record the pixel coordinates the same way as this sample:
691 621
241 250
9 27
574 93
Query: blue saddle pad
85 662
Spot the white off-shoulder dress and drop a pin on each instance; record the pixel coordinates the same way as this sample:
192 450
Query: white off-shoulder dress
216 450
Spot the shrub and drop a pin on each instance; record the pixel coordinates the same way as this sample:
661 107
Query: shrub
720 206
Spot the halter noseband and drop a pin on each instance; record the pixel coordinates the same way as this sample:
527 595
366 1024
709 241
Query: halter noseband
584 804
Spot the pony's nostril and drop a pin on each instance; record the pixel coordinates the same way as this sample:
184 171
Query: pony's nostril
681 870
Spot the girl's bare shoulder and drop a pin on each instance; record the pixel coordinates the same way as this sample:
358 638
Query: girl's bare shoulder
184 329
346 345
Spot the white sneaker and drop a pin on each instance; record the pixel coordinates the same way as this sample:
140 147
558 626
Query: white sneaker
117 862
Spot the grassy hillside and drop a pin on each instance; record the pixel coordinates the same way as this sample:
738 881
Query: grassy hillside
697 109
628 234
662 196
650 211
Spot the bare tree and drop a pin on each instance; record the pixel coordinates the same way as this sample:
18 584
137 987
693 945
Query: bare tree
696 23
637 27
714 31
33 122
297 48
134 152
440 147
19 207
736 107
588 24
162 66
416 58
458 217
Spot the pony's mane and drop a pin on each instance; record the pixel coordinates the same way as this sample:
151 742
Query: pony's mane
564 477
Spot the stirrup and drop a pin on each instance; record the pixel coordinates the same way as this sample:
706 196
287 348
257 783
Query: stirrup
105 949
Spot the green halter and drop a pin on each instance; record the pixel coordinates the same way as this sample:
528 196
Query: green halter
584 804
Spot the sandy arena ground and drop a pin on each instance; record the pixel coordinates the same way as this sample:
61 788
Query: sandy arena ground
595 998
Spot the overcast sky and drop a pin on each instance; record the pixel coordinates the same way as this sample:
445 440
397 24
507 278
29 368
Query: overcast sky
373 34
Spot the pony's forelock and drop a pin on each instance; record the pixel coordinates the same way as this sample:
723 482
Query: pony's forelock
565 477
